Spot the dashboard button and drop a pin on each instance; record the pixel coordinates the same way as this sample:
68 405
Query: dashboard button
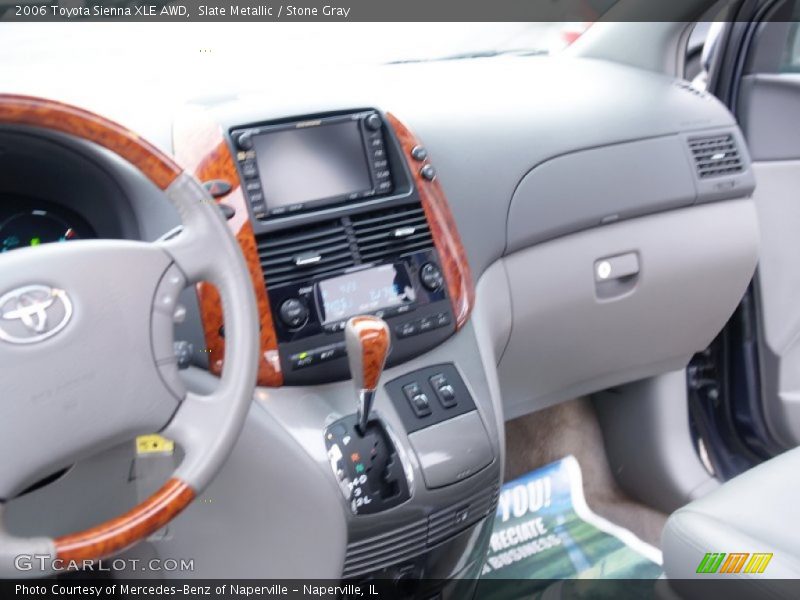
330 352
444 391
249 169
419 153
417 399
293 313
334 327
428 172
407 329
373 122
302 360
244 140
426 324
217 187
442 320
431 277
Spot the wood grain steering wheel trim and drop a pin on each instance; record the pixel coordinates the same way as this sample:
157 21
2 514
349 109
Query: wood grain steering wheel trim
122 532
49 114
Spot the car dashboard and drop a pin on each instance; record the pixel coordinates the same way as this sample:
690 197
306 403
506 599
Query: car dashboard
510 219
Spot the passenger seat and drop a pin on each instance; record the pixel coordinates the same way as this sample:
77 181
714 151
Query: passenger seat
756 512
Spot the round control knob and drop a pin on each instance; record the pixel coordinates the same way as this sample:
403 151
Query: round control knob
244 140
428 172
419 153
373 122
431 277
293 313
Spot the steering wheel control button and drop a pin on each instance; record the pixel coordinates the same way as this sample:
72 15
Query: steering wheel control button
217 187
293 313
170 287
431 277
443 390
419 153
165 307
428 172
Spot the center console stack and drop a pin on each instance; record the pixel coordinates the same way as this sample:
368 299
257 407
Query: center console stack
361 282
340 231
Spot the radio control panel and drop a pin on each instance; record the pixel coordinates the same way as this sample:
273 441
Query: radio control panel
310 316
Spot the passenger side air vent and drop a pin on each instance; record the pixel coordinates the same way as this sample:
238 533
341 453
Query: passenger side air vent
299 254
408 541
716 155
390 233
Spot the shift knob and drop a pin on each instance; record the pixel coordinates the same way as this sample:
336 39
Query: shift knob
367 340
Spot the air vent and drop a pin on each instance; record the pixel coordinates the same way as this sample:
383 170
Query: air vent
299 254
716 155
384 550
411 540
446 523
390 233
688 87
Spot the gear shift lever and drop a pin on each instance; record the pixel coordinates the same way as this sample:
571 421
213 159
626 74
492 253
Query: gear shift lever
367 340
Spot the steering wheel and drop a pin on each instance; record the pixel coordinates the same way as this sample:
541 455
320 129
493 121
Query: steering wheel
86 347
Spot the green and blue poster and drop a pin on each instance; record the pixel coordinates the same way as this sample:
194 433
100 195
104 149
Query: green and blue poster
545 531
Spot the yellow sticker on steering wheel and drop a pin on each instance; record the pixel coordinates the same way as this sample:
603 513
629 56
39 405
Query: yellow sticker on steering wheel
154 444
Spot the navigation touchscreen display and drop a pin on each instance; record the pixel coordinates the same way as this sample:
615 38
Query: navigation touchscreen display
307 164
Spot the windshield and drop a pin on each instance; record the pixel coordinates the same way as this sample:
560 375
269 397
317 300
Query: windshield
52 58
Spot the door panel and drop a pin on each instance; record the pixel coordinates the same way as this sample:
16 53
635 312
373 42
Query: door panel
768 108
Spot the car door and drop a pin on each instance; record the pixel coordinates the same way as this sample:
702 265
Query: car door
758 76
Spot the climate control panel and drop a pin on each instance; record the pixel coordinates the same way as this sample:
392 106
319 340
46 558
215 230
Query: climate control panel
310 315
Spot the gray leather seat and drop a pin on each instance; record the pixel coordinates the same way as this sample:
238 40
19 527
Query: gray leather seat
757 512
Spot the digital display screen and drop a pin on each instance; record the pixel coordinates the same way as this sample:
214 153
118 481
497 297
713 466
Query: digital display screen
314 163
364 292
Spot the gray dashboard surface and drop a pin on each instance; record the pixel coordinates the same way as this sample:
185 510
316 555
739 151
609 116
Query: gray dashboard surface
486 122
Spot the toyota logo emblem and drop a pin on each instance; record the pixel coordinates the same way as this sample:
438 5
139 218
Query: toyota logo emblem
33 313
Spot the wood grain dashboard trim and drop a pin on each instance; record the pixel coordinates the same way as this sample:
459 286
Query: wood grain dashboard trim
49 114
200 145
446 238
122 532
